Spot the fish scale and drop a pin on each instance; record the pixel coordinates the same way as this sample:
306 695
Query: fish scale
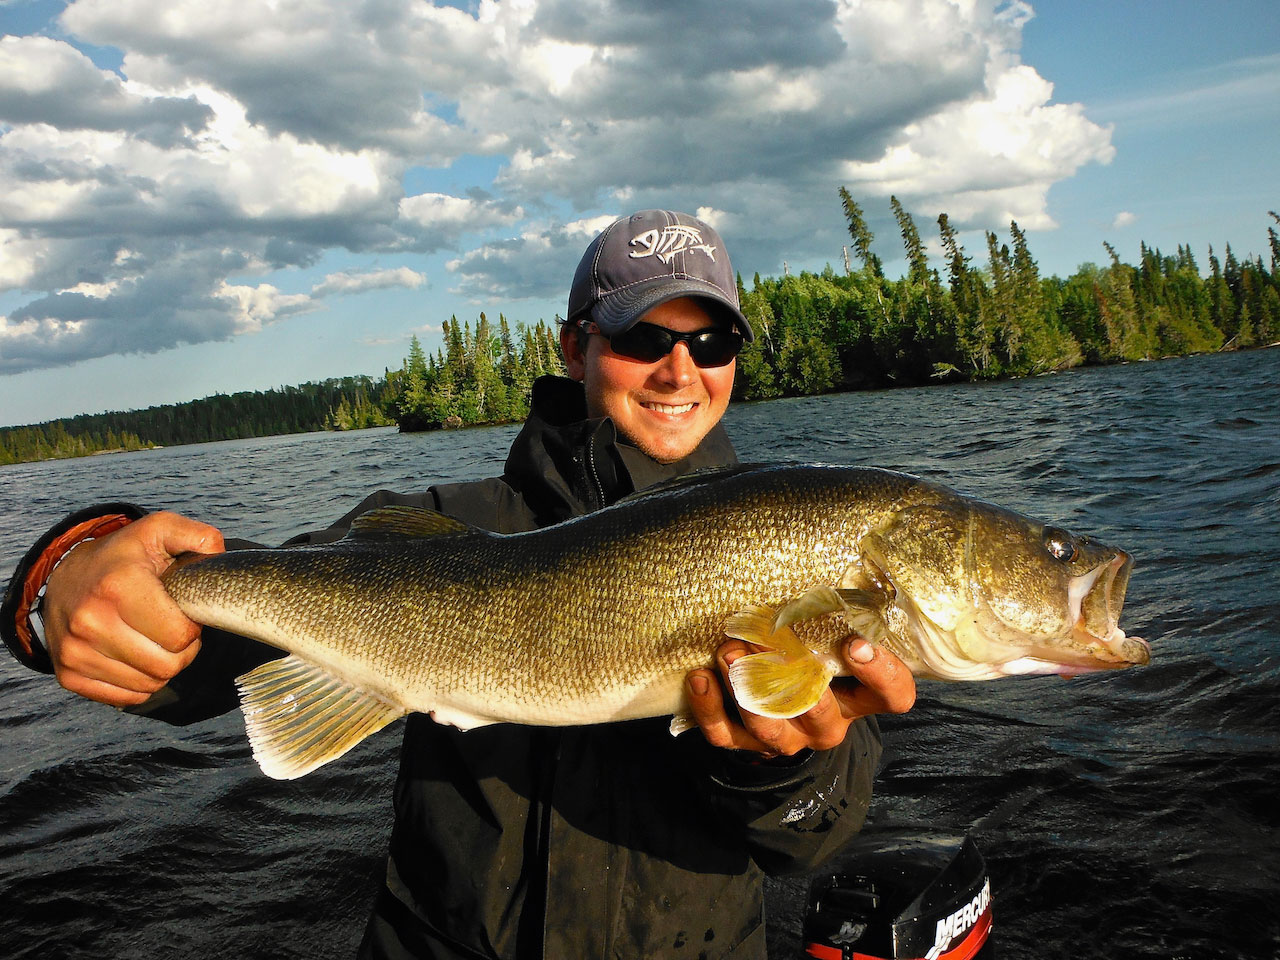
601 617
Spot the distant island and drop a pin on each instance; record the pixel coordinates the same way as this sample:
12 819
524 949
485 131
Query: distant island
815 333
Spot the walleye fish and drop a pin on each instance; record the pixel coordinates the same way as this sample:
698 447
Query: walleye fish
601 617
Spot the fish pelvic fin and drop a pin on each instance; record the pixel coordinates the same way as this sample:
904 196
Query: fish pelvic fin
682 723
402 520
783 681
299 717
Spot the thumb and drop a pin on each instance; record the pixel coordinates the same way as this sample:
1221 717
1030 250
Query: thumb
885 683
167 535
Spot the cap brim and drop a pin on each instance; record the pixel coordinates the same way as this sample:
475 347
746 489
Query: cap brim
617 312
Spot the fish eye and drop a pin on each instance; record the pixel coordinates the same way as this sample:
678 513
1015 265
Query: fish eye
1061 544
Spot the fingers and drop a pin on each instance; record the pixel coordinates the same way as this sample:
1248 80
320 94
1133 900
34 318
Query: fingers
726 725
89 673
130 604
719 718
824 727
883 684
113 632
879 682
710 711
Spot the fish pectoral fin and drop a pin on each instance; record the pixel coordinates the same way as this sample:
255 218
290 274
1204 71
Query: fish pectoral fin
300 717
783 681
862 609
401 520
817 602
864 612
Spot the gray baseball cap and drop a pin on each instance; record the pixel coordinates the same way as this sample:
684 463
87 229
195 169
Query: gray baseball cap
646 259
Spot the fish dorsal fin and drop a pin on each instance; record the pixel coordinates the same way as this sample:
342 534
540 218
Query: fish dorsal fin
299 717
406 521
783 681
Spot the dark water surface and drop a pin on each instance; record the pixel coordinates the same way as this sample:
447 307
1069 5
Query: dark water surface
1128 815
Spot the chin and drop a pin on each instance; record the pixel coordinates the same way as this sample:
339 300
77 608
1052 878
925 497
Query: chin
668 450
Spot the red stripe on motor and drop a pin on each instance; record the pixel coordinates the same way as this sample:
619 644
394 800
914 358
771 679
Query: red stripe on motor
967 948
973 942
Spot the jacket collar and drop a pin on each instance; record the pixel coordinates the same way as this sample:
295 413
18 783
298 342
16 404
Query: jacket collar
566 464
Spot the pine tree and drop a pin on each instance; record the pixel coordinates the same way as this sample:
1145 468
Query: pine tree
861 234
1274 240
917 261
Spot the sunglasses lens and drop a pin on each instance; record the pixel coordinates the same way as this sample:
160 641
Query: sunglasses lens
649 343
644 342
716 348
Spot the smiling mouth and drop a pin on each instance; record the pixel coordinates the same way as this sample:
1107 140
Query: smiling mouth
669 409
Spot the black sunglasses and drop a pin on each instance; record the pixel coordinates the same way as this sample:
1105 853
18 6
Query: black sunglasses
648 343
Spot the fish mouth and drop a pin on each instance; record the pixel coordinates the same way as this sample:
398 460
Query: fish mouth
1095 600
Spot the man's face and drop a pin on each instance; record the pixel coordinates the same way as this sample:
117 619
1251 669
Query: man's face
664 408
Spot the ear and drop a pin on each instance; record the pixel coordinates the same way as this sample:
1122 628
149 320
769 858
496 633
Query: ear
575 359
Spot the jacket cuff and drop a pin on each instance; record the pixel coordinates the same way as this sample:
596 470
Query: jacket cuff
737 770
26 587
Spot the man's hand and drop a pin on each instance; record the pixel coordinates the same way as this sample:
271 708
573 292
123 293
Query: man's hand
879 683
112 631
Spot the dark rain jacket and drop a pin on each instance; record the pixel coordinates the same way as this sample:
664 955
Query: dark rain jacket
608 841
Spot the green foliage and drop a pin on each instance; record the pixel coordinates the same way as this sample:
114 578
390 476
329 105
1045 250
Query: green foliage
484 376
814 333
346 403
829 332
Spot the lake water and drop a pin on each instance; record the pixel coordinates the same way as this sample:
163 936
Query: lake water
1128 815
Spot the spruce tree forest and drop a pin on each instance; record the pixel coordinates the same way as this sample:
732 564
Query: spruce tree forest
972 318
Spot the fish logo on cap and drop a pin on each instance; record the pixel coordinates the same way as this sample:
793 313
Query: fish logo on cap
669 241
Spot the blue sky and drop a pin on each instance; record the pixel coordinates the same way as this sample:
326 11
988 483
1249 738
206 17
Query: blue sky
196 201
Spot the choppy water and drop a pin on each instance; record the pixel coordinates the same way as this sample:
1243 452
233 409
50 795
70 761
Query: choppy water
1130 815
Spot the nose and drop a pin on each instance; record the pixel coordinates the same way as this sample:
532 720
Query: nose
677 368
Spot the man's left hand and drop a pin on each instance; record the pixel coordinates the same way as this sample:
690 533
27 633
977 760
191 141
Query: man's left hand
878 683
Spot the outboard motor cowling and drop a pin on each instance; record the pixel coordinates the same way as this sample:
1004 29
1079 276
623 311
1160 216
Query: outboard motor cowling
898 896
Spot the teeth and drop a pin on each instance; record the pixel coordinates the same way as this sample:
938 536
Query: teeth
668 408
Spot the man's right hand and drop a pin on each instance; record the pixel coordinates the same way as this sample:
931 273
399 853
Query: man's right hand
112 631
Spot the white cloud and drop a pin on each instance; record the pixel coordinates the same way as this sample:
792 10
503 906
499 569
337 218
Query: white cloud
239 141
1124 219
345 282
440 220
537 263
50 82
990 159
255 307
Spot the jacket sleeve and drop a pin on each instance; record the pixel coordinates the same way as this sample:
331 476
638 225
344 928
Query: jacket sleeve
206 688
795 813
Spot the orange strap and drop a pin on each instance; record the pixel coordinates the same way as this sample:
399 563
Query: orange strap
49 558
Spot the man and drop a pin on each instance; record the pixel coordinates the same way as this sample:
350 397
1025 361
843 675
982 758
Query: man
513 841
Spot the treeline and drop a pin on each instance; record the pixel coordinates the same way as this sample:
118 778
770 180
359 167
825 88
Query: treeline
839 331
476 377
330 404
815 333
480 377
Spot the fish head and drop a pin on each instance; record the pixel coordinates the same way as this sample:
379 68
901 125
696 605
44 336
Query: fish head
989 592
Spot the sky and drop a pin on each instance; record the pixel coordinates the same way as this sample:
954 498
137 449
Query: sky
206 196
